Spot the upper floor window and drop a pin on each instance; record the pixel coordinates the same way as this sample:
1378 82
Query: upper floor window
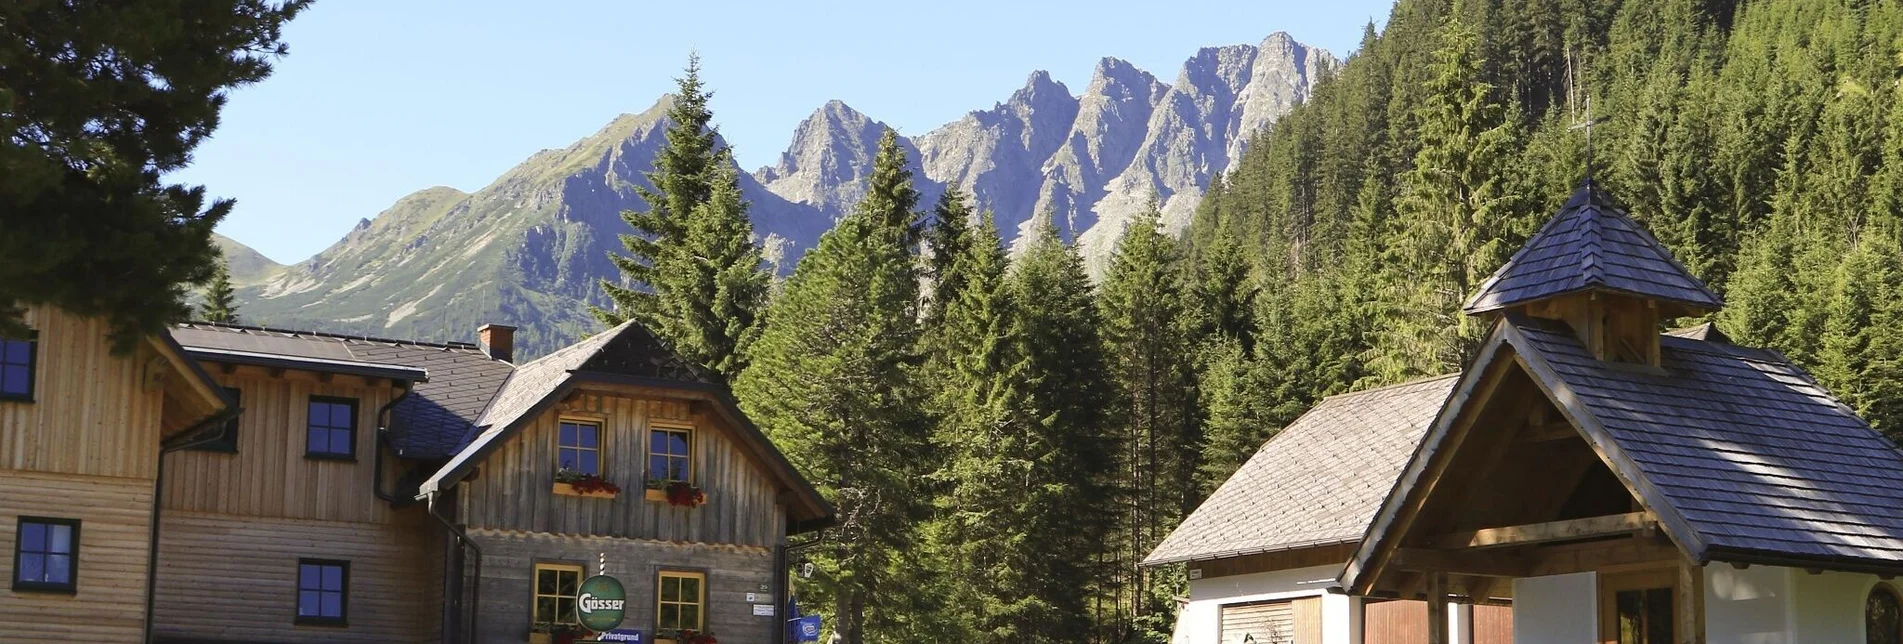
1883 616
579 447
668 454
323 591
46 555
333 428
16 368
228 443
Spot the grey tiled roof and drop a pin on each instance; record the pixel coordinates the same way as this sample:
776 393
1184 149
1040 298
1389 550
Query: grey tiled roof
626 350
1591 244
428 424
1757 459
1317 482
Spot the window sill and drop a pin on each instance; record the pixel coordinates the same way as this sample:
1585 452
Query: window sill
26 399
565 489
340 458
322 621
50 589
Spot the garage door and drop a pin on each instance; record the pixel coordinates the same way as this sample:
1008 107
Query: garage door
1260 623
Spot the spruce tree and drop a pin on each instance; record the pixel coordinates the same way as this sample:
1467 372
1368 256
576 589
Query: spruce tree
692 274
102 102
1456 214
832 381
220 304
1150 359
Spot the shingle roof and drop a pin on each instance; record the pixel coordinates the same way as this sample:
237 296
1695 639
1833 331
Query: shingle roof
1591 244
1318 482
428 424
1754 455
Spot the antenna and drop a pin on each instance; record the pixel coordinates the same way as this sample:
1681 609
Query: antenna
1588 125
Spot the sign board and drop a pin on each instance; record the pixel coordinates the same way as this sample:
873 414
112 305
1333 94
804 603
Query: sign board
763 610
601 603
635 636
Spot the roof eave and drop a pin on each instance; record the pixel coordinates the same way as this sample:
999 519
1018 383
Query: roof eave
1810 562
1688 308
344 367
1244 552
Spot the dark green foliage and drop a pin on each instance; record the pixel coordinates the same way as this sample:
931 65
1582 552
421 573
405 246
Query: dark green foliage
833 380
219 305
692 273
1762 142
1149 347
101 101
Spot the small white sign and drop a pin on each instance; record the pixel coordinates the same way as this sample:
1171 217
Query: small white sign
752 597
1195 573
763 610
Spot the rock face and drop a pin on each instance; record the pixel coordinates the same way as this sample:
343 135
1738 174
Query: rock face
245 265
1091 161
530 248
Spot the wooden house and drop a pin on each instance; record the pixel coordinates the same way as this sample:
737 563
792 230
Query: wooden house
696 530
1264 549
83 430
1622 485
234 484
296 525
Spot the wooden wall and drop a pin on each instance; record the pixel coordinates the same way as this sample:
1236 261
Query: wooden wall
91 412
1402 621
1493 624
115 522
269 475
224 577
513 488
508 567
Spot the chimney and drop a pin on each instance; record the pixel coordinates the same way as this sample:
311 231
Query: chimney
498 341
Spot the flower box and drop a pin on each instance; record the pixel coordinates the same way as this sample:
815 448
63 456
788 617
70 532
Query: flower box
657 496
568 489
680 494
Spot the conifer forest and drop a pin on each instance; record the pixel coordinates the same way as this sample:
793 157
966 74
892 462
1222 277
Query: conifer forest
1006 437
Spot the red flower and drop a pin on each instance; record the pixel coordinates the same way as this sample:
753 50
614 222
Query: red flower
682 494
586 483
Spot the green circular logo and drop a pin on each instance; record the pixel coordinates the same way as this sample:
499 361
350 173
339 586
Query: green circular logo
601 603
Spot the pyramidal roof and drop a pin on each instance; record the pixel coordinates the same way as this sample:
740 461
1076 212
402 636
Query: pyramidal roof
1591 245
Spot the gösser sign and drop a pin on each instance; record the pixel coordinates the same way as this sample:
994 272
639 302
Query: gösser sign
600 603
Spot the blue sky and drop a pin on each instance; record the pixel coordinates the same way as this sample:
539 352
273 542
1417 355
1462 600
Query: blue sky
379 99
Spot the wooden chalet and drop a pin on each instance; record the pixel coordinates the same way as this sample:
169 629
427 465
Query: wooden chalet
82 434
1618 484
1264 550
232 484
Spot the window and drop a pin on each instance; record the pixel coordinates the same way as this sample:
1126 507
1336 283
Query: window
678 605
579 448
46 555
16 368
333 428
667 454
1257 623
1638 608
1883 617
323 591
229 443
555 586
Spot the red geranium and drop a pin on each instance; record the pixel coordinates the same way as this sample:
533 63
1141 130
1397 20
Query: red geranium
586 483
682 494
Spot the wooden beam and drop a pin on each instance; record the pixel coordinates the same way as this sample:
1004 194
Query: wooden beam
1437 608
1478 564
1691 604
1543 532
1601 555
1547 432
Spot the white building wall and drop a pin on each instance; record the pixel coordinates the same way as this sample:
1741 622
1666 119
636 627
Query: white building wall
1201 621
1557 609
1750 606
1828 607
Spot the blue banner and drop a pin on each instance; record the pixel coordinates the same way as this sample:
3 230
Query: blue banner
806 629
